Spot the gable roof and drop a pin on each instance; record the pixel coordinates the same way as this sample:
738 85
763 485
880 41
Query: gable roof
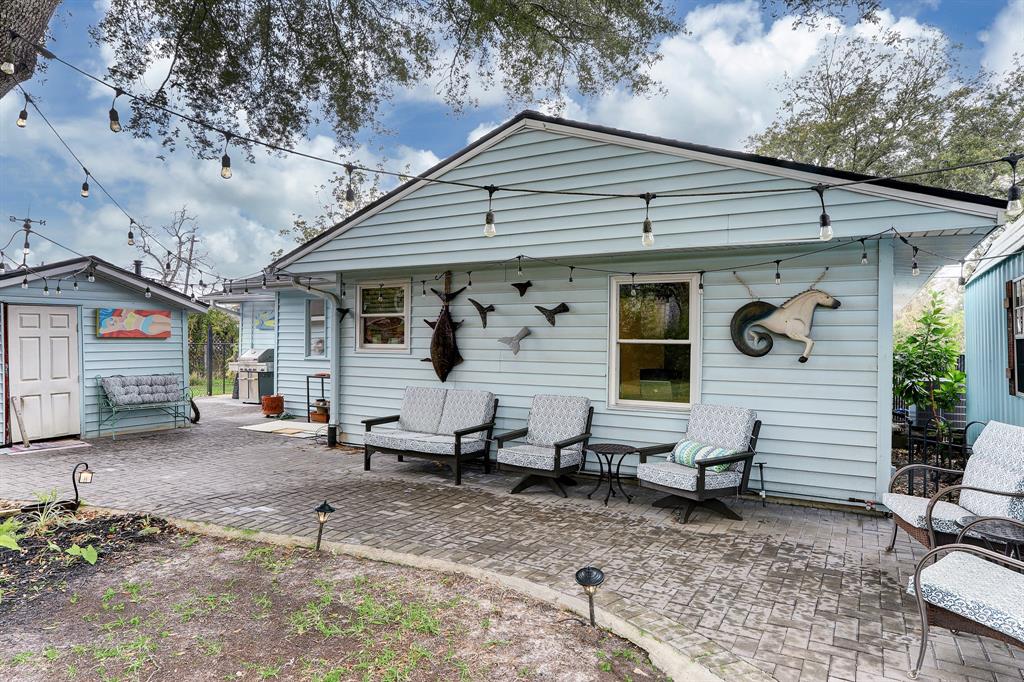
979 203
106 270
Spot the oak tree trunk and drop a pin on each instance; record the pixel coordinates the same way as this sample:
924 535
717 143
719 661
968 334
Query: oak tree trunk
29 19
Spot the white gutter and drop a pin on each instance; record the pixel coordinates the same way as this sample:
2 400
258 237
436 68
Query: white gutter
334 349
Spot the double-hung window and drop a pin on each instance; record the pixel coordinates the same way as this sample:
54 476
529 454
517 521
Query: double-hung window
382 320
654 339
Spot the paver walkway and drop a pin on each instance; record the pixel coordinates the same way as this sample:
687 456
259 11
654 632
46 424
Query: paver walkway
791 592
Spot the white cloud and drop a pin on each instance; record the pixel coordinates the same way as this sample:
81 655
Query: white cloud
1004 38
481 130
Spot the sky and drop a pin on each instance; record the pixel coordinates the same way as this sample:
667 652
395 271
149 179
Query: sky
719 86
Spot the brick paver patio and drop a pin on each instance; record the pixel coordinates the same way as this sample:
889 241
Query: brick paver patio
791 592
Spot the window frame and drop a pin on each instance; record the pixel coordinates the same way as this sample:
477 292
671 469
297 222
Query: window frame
696 325
305 351
1014 362
383 348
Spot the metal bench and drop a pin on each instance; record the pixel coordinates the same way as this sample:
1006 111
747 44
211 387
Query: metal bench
120 394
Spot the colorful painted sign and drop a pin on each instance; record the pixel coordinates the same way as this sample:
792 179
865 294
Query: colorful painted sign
132 323
265 320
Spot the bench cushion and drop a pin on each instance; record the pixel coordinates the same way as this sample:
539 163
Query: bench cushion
722 426
912 510
978 589
421 409
143 389
463 409
555 418
997 463
537 457
430 443
672 475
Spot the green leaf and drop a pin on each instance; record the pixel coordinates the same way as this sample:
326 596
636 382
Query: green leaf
90 554
9 541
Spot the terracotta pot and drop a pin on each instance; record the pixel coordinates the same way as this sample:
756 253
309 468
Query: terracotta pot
272 404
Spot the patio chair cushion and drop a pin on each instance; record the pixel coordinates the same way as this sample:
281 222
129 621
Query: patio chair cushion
143 389
689 452
681 477
421 409
555 418
997 464
537 457
432 443
463 409
912 510
722 426
978 589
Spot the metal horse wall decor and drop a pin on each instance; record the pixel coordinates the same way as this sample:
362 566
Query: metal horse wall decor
752 323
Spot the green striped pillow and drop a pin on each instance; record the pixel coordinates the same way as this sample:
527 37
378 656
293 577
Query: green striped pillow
688 453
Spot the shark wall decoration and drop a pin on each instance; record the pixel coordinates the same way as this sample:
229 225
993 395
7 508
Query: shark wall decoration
444 349
482 310
521 287
513 341
549 313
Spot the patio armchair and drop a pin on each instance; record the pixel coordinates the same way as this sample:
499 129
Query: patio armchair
728 435
444 425
969 589
992 484
556 435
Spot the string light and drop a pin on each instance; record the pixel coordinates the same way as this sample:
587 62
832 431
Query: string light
824 221
263 281
24 282
167 265
23 114
90 276
7 66
700 283
246 289
632 285
380 293
571 268
115 120
863 253
225 161
647 238
778 275
309 284
962 281
423 287
1014 206
74 285
148 293
350 192
26 249
3 265
85 185
470 276
131 235
57 290
914 269
489 229
519 266
46 288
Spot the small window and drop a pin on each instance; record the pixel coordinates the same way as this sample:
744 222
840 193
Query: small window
655 333
1015 335
383 319
316 326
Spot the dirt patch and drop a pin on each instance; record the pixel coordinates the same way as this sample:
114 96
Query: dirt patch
187 607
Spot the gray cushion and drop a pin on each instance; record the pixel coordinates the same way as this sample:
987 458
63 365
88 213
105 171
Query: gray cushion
143 389
721 426
537 457
431 443
463 409
978 589
555 418
681 477
997 464
421 409
912 510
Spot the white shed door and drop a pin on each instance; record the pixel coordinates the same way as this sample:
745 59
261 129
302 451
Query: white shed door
43 357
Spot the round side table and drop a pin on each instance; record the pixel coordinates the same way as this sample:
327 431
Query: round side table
606 454
1009 535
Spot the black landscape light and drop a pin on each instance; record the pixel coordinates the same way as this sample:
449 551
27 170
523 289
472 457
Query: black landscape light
590 578
322 512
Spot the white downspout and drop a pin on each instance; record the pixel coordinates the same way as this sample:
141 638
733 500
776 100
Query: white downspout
334 352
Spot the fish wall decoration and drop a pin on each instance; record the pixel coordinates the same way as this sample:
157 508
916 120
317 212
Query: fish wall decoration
513 341
549 313
482 310
521 287
444 349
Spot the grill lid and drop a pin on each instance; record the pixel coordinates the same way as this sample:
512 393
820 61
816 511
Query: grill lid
257 355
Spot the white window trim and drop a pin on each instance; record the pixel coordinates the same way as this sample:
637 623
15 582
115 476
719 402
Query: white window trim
696 330
305 311
404 347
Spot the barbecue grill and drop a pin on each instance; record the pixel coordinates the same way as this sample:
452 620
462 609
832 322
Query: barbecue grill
255 368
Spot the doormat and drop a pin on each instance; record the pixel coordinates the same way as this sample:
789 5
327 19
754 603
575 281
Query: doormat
50 445
286 427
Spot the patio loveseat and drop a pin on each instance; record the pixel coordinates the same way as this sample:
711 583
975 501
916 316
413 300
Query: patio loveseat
723 442
992 484
445 425
120 394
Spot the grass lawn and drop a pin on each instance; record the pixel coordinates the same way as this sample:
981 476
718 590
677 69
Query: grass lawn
220 387
163 604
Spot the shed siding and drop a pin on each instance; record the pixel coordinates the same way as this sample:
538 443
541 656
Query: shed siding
820 431
104 357
988 395
249 336
292 365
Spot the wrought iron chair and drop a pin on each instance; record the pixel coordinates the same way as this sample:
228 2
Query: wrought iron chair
969 589
992 485
556 437
733 432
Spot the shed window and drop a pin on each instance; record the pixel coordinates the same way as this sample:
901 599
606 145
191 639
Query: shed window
383 319
316 326
1015 335
654 342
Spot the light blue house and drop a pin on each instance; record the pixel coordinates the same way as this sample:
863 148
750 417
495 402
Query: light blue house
66 323
994 331
827 422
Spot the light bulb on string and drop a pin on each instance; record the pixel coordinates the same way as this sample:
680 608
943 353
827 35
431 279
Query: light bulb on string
1014 206
824 221
131 235
115 120
74 285
26 248
914 269
632 285
350 192
423 287
489 228
469 276
90 276
647 237
962 281
167 265
778 275
85 184
571 268
380 293
863 253
519 266
700 283
225 161
246 289
263 281
23 114
57 290
24 283
7 67
148 293
46 288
